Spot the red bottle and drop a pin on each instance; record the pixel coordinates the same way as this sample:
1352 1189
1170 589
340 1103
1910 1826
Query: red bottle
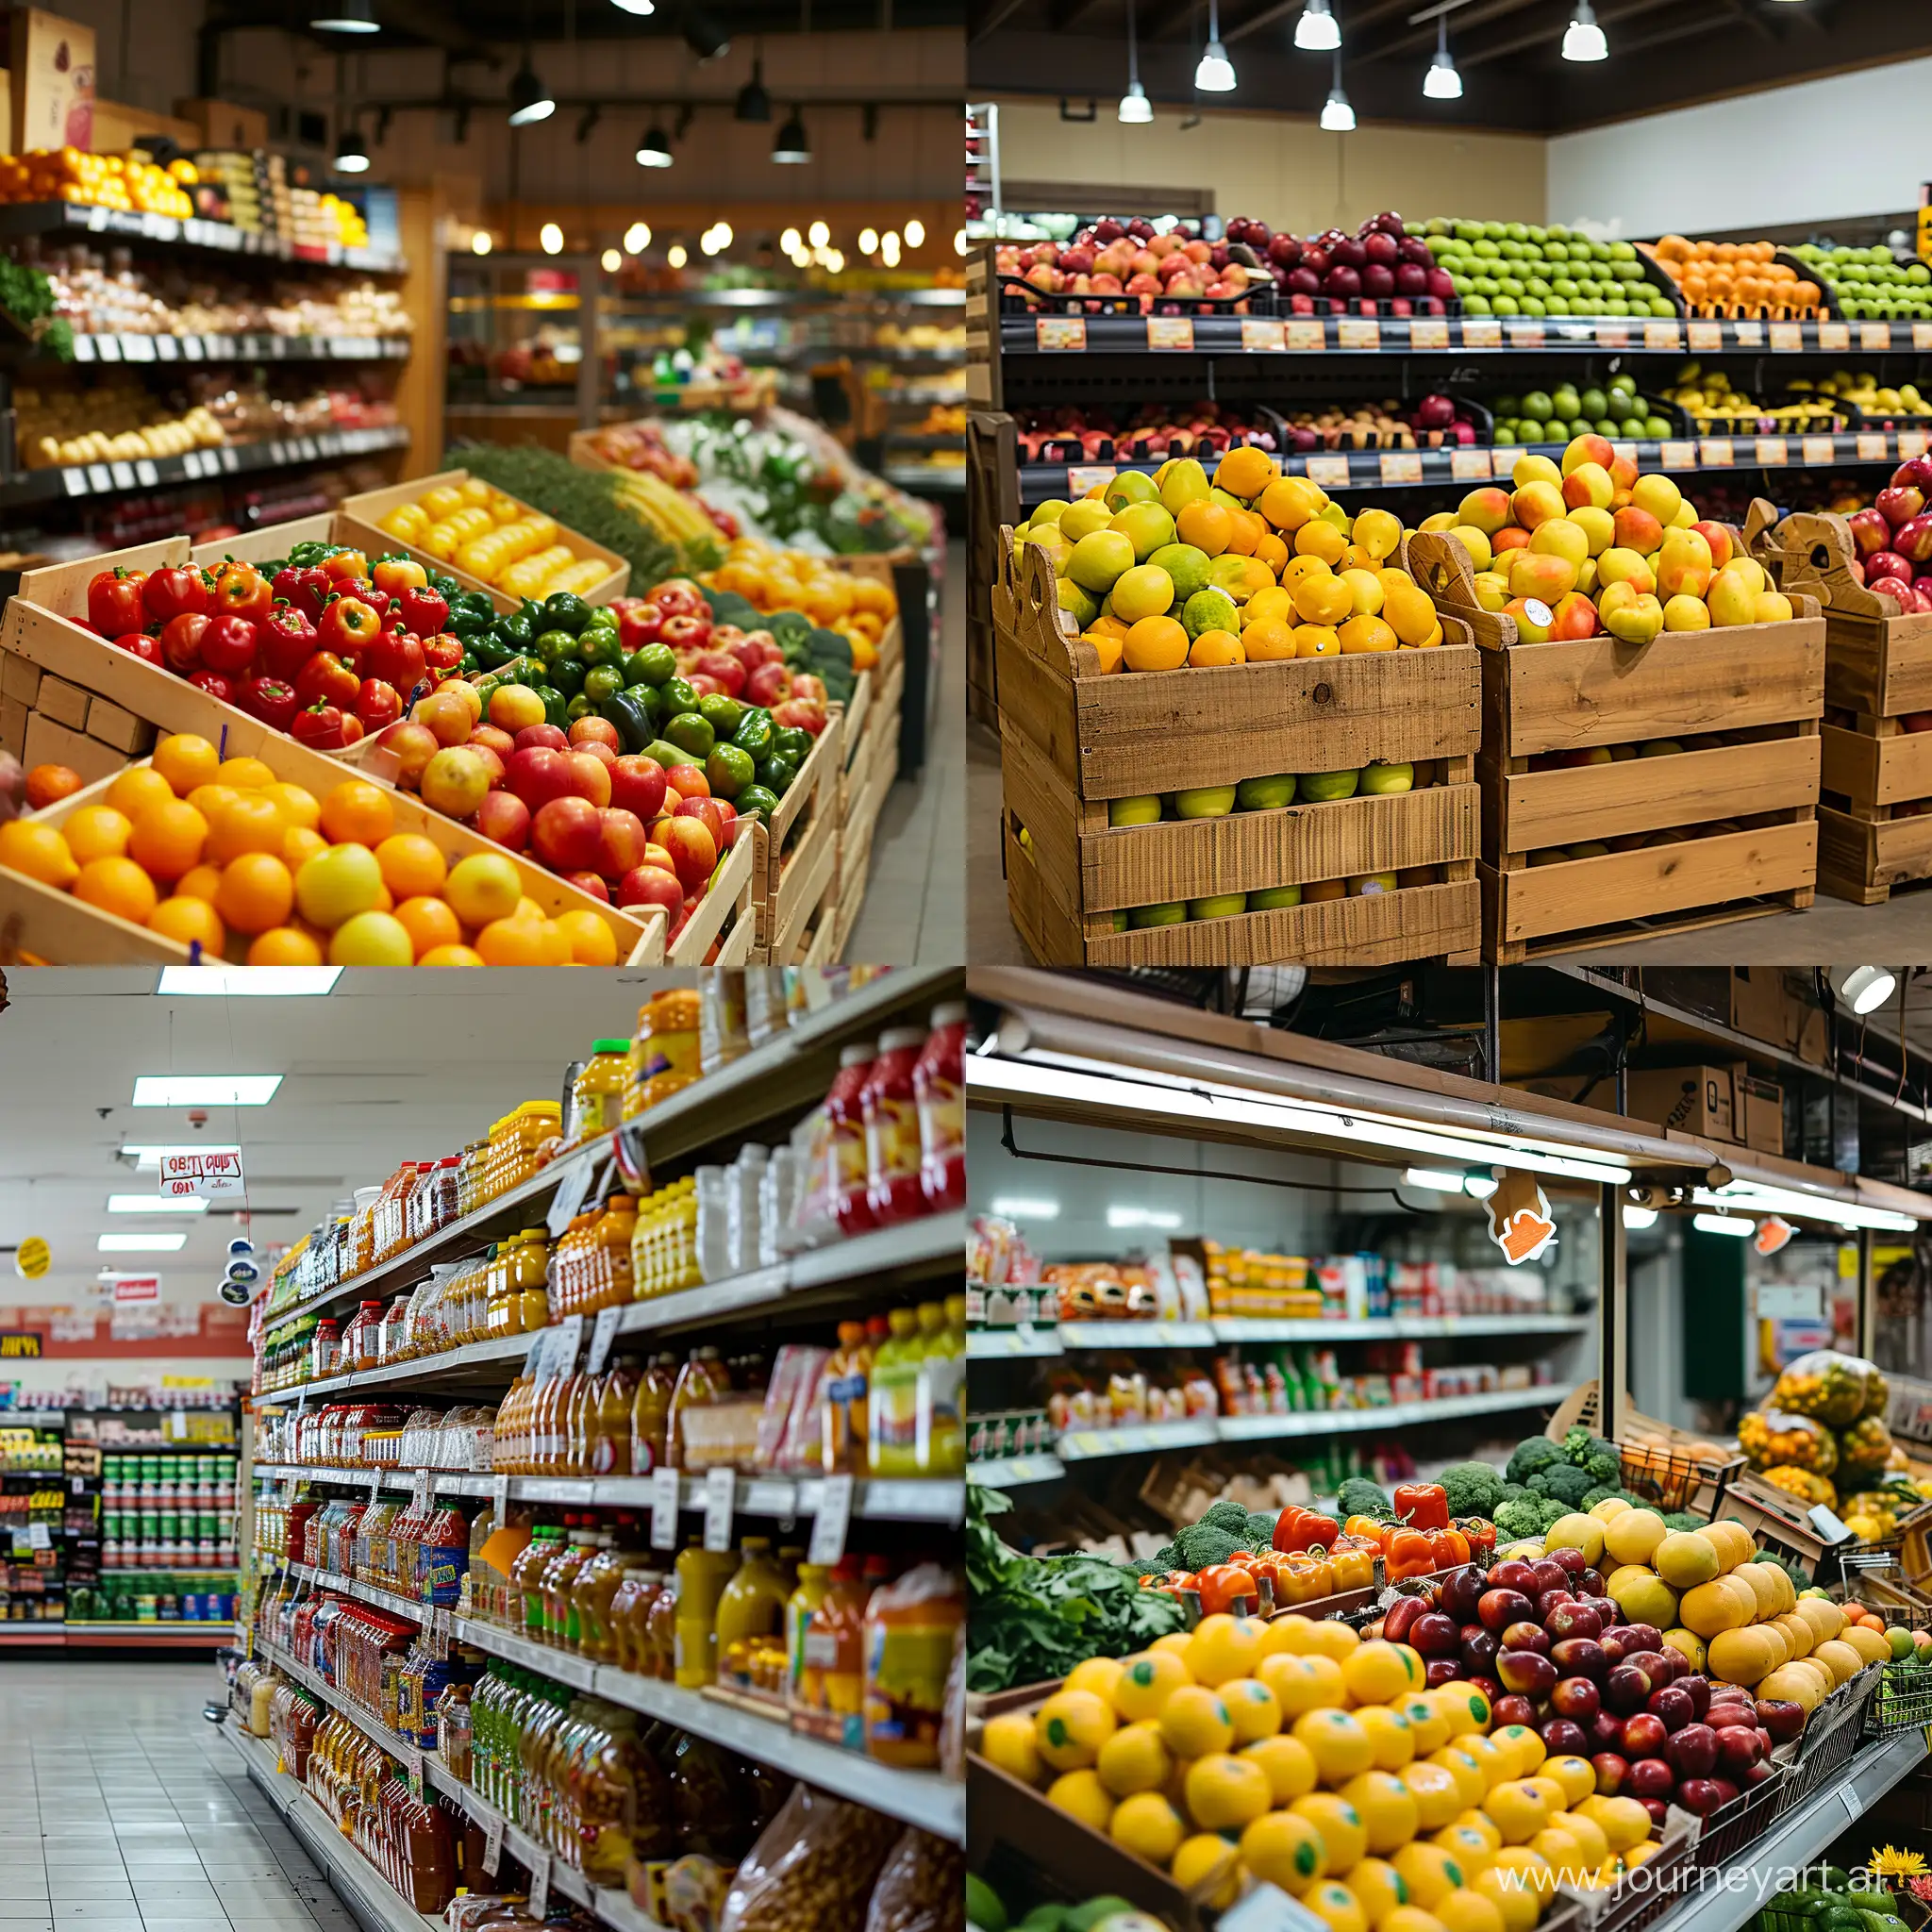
891 1129
939 1087
846 1178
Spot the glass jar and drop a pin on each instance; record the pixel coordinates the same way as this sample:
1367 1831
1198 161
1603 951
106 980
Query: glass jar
528 1267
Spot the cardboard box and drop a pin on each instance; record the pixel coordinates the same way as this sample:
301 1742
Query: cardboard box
1694 1100
1774 1004
1757 1108
52 63
222 124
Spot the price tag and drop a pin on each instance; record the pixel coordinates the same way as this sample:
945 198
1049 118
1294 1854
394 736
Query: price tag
100 477
38 1537
75 481
1870 445
1059 332
1833 335
721 1495
1470 465
829 1526
539 1906
1612 333
1359 332
83 348
419 1491
570 1339
231 461
1268 1908
664 1509
499 1499
1171 332
1922 335
1330 472
1525 332
147 474
1750 335
1503 460
568 1198
1912 442
1261 333
122 475
1481 332
1305 332
1659 333
1429 332
1818 449
191 348
1825 1522
1714 452
492 1845
137 348
1085 478
1402 466
106 349
1875 335
413 1764
167 348
1772 451
1705 338
602 1336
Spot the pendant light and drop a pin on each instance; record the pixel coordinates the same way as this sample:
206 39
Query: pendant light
529 100
348 17
1214 74
1317 31
1135 109
754 103
654 151
1337 117
1443 82
793 147
1583 39
352 158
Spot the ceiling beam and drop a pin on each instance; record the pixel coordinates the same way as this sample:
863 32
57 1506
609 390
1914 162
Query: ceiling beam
1501 50
996 15
1460 23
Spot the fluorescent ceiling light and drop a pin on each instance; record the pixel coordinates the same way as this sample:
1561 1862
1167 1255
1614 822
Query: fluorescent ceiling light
269 982
205 1090
1723 1224
1479 1187
1025 1207
1435 1179
1317 31
1583 39
1137 110
141 1243
1637 1218
1750 1197
1214 71
157 1203
1142 1217
1863 989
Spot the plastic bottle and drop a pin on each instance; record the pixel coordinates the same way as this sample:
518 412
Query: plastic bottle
750 1613
610 1423
701 1381
892 1415
650 1415
848 1380
938 1088
525 1581
659 1656
939 1448
599 1088
560 1626
845 1178
832 1679
612 1283
814 1581
912 1630
702 1575
891 1129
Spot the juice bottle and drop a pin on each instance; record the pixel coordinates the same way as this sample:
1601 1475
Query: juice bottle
650 1415
892 1415
702 1575
659 1657
529 1268
846 1176
701 1381
580 1402
912 1630
631 1610
939 1091
612 1284
848 1379
610 1424
579 1545
599 1088
590 1596
832 1680
891 1129
814 1581
943 1378
751 1612
526 1581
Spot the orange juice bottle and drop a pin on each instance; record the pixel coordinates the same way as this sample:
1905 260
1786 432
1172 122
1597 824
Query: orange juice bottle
701 1381
610 1237
848 1380
579 1409
650 1415
832 1672
611 1423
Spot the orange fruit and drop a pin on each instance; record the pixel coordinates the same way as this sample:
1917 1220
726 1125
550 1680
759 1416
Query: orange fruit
300 844
138 787
358 814
49 784
1155 643
252 823
255 892
1288 502
1245 531
246 774
201 882
185 761
410 863
1366 634
429 923
1216 647
1272 551
97 831
450 956
193 922
300 806
1206 524
169 839
1267 637
513 943
39 852
282 945
117 886
1245 471
1320 537
592 942
208 799
371 938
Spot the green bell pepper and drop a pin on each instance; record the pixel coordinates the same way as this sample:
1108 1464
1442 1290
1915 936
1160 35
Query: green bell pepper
754 732
792 741
634 728
556 706
601 680
679 695
566 610
599 645
724 714
471 612
693 733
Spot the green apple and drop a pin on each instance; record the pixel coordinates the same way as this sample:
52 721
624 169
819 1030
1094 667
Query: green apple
1172 913
1321 786
1222 905
1205 802
1275 898
1146 526
1380 777
1100 559
1264 794
1133 811
1130 486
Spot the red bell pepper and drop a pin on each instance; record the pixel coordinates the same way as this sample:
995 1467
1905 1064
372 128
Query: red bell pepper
1410 1553
288 639
347 623
307 587
320 726
273 700
138 643
377 704
424 611
443 655
1297 1528
1423 1506
1480 1536
114 605
241 591
326 680
172 591
217 684
1227 1586
229 644
182 638
397 658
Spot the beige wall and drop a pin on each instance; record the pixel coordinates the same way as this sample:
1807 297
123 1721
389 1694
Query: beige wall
1285 171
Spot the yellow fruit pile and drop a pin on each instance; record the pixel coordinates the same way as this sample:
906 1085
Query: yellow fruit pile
1292 1753
127 181
224 855
1173 570
493 537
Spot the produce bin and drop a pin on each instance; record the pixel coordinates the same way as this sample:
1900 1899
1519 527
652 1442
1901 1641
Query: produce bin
1071 737
1828 1742
1873 832
727 916
359 519
795 862
1740 815
269 541
871 735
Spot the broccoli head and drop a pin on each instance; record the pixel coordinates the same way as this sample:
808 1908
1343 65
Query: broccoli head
1576 1446
1550 1510
1514 1493
1474 1489
1358 1496
1261 1529
1605 1462
1535 1453
1563 1482
1518 1516
1206 1542
1166 1557
1604 1491
1228 1515
1682 1520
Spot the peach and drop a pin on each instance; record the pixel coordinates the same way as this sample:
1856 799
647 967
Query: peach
1536 502
1586 576
1533 619
1731 598
1658 495
1486 509
1599 529
1747 567
1637 530
1624 473
1587 449
1625 566
1685 517
1491 590
1576 616
1719 537
1683 569
1589 486
1685 612
1534 469
1631 616
1536 574
1560 538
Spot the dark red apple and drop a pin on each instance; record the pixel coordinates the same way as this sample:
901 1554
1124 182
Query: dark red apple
1783 1719
1758 1773
1576 1698
1649 1778
651 884
1442 1670
1527 1671
566 834
1549 1603
1435 1634
1483 1681
1460 1592
1912 539
1738 1750
1730 1708
1564 1737
1512 1573
1659 1809
1502 1606
1527 1635
1643 1735
1513 1710
1700 1795
1605 1730
1626 1690
541 738
1612 1770
1617 1642
1698 1689
1899 504
1342 282
1672 1705
1549 1575
1570 1562
1479 1649
1574 1620
1379 283
1349 253
1580 1656
1591 1583
1648 1637
1401 1617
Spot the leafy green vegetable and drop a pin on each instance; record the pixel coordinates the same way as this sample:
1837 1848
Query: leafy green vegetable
27 298
1358 1496
1474 1489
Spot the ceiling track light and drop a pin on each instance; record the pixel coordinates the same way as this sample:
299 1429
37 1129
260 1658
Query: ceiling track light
1135 109
1443 82
1214 73
1583 39
707 35
641 8
349 17
1317 31
529 101
793 147
754 103
654 151
1338 116
1862 989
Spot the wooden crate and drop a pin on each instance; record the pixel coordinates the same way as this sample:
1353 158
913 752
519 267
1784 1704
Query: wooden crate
1072 738
796 855
1877 671
1738 819
65 931
726 915
270 541
358 519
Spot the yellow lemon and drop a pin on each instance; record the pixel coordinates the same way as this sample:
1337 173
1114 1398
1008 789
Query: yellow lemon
1344 1837
1429 1871
1389 1733
1334 1903
1563 1855
1388 1809
1217 647
1174 1644
1463 1771
1316 641
1410 1919
1194 1722
1320 537
1223 1648
1515 1901
1252 1708
1468 1910
1379 1887
1471 1851
1407 607
1435 1792
1148 1826
1146 591
1485 1826
1334 1639
1209 1865
1146 1682
1081 1794
1379 1672
1070 1728
1466 1707
1290 502
1377 531
1366 634
1135 1759
1245 472
1292 1634
1098 1675
1007 1740
1322 600
1272 602
1426 1720
1225 1792
1339 1745
1365 588
1288 1763
1279 1848
1494 1762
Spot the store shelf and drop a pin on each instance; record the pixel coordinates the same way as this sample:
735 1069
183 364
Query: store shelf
1395 1327
1084 1446
1015 1471
260 348
206 1636
220 238
1008 1344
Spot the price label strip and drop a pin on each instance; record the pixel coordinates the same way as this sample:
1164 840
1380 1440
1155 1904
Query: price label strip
829 1526
540 1886
1171 332
664 1509
1305 332
492 1845
721 1498
1261 334
499 1499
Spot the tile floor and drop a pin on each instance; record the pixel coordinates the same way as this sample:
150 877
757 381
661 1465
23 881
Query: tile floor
123 1810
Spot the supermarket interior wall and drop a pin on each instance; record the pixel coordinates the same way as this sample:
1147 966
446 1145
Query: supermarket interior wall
1853 144
1283 171
144 56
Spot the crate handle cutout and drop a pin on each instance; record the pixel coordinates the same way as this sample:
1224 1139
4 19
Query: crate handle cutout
1442 566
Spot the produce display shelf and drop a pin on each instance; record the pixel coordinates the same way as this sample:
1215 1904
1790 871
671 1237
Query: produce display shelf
738 1096
1387 468
372 1899
252 347
1015 1471
787 1498
149 473
223 238
1352 335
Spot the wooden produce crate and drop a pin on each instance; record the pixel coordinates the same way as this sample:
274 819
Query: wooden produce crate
1071 737
66 931
872 762
795 862
1872 830
358 519
270 541
726 915
1742 815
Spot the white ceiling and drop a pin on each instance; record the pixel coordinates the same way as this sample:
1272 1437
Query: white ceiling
387 1067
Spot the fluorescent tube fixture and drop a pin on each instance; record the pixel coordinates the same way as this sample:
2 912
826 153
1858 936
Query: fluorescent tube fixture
1637 1218
1583 39
141 1243
276 982
1317 31
1749 1197
205 1090
1722 1224
1863 989
1479 1187
157 1203
1434 1178
1025 1207
1142 1217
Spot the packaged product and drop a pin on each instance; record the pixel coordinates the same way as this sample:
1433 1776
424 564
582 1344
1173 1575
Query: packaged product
1865 1448
813 1868
1770 1437
920 1888
789 1421
913 1627
1832 1387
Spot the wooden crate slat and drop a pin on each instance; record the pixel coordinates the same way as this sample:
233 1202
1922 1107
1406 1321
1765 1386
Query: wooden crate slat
1861 859
1872 771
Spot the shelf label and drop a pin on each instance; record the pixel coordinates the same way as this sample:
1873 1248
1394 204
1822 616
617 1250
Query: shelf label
1504 460
375 1487
570 1339
1612 333
231 461
1833 335
1874 335
1818 449
191 348
413 1764
1922 335
99 477
1870 445
569 1197
83 348
75 481
1714 452
1305 332
1330 472
38 1538
664 1509
1261 333
1787 337
720 1497
147 474
1059 331
1705 338
539 1906
1429 332
1912 442
1359 332
829 1526
492 1845
137 348
602 1336
1772 451
1481 332
1083 478
1526 333
419 1491
106 349
499 1499
1402 466
1171 332
1676 455
166 347
1750 335
1470 465
1660 334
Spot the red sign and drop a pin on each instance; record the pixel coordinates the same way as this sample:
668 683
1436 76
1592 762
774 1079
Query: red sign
137 1288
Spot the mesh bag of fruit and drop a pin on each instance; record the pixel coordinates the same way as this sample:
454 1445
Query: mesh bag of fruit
1802 1484
1864 1449
1824 1384
1774 1438
1878 1391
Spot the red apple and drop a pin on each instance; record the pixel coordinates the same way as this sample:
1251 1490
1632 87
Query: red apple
1659 1808
589 882
1591 1583
1648 1637
1432 1634
1580 1656
1401 1617
1565 1738
1551 1599
504 817
767 684
1649 1778
496 738
1444 1670
651 884
1461 1590
1700 1795
637 783
565 834
1479 1647
692 849
1605 1730
412 746
1513 1709
1612 1770
1698 1690
1569 1561
1738 1750
1783 1719
1672 1705
1527 1671
725 668
1513 1573
1574 1619
492 764
1525 1637
621 843
1501 1607
542 737
1626 1690
538 773
1643 1735
688 781
594 748
1576 1698
595 730
707 813
590 777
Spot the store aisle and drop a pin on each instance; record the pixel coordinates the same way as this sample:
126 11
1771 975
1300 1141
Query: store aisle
121 1810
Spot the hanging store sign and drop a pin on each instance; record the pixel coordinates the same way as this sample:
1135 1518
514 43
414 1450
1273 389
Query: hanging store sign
209 1172
32 1259
1520 1220
1773 1233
